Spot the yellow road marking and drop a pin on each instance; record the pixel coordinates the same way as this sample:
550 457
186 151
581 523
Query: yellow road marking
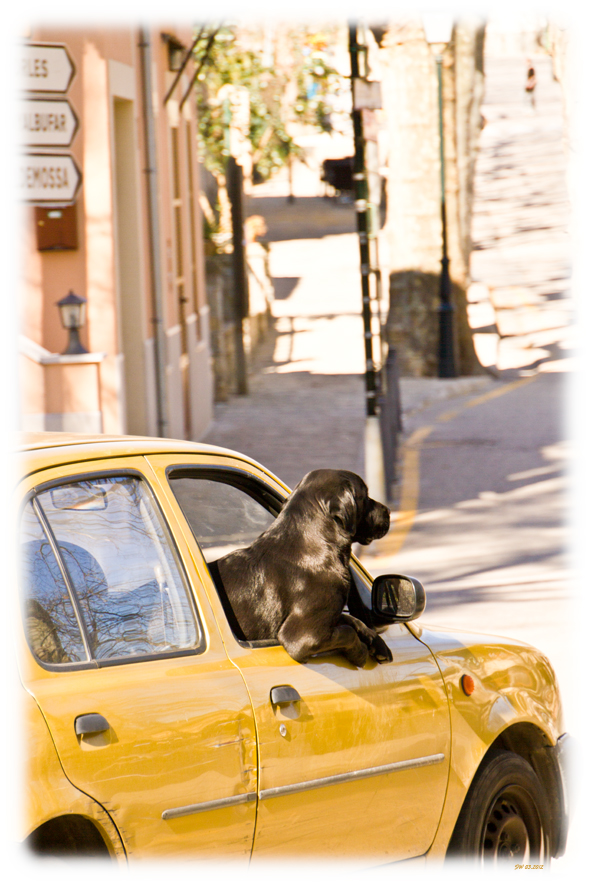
498 392
446 416
410 480
409 495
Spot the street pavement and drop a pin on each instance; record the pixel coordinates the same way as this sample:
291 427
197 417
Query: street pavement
490 524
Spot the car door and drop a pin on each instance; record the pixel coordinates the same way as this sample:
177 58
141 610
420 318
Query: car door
148 715
356 763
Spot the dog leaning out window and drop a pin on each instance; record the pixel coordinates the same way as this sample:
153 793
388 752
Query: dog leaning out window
282 569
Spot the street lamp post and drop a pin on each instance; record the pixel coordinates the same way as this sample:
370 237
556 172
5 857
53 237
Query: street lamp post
375 475
438 28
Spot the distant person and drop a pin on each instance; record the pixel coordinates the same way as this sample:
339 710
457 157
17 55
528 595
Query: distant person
530 84
254 227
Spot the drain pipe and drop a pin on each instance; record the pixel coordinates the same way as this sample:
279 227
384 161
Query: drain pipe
154 233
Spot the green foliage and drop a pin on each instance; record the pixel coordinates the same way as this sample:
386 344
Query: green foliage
315 79
235 56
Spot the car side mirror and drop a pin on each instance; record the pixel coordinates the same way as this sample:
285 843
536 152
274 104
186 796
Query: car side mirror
397 598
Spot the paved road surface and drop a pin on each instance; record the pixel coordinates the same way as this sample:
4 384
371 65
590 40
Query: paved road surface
490 534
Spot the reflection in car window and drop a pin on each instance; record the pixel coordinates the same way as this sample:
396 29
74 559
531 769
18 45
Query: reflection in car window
119 560
222 517
50 620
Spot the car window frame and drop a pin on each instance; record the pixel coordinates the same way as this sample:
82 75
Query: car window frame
264 495
94 663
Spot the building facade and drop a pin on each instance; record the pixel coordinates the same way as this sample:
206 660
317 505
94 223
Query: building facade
110 180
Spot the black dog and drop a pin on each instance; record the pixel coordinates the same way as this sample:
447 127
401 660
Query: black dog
293 581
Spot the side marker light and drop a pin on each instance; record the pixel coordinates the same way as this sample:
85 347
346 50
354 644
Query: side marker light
467 684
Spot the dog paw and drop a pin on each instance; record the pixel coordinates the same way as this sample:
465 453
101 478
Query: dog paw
380 650
358 657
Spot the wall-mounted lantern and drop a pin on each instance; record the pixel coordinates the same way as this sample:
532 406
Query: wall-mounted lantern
73 316
176 52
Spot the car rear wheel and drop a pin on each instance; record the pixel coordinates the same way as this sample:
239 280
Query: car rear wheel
505 815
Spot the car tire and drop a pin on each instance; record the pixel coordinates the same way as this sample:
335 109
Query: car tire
505 815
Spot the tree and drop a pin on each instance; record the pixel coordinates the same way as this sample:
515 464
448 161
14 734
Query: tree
413 218
277 77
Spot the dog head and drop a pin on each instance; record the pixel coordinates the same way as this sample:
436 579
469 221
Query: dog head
345 498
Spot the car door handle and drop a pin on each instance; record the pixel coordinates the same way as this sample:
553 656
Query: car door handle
89 724
284 695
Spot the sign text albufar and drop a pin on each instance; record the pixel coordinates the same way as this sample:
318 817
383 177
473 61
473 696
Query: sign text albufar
47 123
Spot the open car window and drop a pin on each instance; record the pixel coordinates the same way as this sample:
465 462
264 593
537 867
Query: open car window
228 510
225 511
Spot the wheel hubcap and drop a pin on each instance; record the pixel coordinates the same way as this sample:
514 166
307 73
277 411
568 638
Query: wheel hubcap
511 830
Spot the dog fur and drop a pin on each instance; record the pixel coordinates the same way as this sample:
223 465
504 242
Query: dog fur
293 581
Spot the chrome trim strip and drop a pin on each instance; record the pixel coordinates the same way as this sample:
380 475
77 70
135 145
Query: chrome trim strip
350 776
208 805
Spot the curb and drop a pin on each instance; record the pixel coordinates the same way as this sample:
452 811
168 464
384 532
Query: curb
419 393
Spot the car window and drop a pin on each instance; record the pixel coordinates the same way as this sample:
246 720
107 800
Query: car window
222 517
116 556
227 511
50 620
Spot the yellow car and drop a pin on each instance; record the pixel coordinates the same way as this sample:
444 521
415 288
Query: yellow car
154 729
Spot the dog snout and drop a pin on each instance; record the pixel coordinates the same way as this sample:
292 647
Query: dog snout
381 518
375 523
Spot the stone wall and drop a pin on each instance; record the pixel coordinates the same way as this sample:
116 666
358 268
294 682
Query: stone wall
255 327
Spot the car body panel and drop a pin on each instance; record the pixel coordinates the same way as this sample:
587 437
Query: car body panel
49 794
349 721
514 684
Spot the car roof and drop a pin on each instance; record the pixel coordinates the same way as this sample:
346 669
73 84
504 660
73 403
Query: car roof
46 449
112 442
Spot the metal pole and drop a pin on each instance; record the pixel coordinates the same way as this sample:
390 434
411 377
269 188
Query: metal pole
374 454
240 301
361 195
446 357
154 229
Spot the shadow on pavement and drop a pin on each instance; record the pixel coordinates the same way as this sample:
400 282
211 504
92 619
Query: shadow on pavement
284 286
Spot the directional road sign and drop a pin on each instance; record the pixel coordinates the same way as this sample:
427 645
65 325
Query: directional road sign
47 123
48 179
366 94
46 67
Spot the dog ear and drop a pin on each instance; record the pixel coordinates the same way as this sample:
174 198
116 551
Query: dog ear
343 509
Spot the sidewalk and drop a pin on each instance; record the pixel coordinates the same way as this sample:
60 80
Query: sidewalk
521 259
